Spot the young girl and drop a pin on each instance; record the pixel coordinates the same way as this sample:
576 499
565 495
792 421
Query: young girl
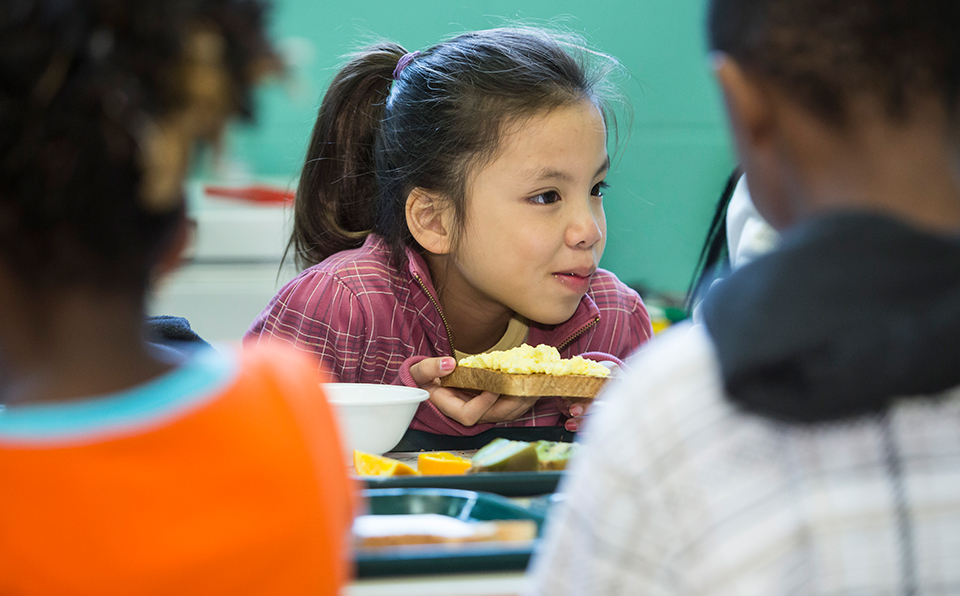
127 469
451 203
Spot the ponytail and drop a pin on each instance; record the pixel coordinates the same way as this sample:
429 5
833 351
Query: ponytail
336 202
378 137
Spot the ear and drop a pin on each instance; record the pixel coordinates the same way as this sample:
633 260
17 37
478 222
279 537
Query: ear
429 220
749 105
757 118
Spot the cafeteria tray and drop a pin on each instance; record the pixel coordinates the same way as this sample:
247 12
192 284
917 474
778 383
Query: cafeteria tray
418 440
445 558
507 484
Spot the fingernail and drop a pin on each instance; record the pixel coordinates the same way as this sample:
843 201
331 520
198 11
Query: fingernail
448 364
576 411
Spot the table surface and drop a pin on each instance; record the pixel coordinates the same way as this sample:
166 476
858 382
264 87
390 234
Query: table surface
468 584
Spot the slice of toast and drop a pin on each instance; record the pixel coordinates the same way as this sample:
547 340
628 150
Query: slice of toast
523 384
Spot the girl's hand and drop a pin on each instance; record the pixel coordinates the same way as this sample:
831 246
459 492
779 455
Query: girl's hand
463 407
508 407
577 410
578 414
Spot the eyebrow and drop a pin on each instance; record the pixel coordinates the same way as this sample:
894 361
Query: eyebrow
549 173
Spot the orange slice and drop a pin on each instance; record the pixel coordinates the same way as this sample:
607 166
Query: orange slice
431 464
368 464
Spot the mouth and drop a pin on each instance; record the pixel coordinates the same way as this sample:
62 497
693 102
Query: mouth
577 280
577 273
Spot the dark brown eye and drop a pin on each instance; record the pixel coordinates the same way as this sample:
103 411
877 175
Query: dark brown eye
547 198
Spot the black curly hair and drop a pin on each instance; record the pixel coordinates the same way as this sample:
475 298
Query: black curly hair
824 53
96 98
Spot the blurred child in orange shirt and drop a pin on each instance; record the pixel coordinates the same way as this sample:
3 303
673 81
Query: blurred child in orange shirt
126 469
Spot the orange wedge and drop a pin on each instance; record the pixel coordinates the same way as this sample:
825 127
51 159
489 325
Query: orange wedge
368 464
432 464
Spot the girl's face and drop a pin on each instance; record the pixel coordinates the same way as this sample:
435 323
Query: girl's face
535 227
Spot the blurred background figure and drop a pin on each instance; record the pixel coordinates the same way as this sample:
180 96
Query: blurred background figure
804 439
736 236
130 469
748 234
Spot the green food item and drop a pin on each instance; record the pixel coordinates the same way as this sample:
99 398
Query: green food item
503 455
554 455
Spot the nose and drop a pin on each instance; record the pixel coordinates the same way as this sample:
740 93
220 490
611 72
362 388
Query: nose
587 224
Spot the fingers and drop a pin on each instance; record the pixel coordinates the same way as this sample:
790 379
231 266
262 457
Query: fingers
577 412
465 410
453 404
574 407
429 369
508 407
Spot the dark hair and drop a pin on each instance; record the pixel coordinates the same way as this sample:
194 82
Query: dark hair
377 139
826 52
90 91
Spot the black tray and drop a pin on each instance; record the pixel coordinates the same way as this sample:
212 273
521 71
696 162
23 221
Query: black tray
507 484
418 440
432 559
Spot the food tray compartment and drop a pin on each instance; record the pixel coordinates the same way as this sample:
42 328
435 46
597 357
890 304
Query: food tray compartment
446 558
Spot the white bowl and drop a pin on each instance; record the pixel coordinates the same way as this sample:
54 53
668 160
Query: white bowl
373 417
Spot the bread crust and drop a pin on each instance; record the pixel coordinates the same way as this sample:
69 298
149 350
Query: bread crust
525 385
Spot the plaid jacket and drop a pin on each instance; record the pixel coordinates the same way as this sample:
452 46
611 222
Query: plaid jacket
363 318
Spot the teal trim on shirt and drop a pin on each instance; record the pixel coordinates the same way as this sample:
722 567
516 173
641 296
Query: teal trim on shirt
190 385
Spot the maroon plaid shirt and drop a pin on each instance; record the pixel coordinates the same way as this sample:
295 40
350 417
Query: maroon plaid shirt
363 318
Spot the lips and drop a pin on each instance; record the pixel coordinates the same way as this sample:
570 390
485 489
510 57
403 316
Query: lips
583 273
577 280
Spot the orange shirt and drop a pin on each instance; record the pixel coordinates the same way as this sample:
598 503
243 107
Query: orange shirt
225 476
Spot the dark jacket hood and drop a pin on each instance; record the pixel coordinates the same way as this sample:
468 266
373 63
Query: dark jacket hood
851 311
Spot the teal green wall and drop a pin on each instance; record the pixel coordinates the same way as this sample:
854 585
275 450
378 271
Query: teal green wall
671 169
